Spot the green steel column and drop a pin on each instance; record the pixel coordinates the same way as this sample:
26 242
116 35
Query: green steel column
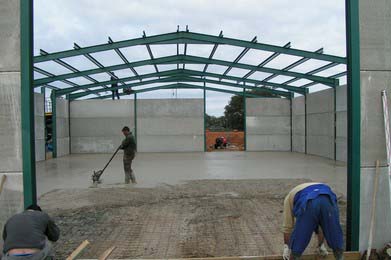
205 148
244 118
335 123
354 127
291 104
135 117
27 102
53 97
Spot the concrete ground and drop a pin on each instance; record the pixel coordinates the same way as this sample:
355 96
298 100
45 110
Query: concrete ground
151 169
184 205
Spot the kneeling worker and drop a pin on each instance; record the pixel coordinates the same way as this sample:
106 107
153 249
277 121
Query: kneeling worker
25 235
313 205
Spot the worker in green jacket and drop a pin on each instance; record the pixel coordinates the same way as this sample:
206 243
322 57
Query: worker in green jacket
129 147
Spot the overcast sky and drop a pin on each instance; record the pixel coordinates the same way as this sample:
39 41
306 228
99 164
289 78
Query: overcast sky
307 24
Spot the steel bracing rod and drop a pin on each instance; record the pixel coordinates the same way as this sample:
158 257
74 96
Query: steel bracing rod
267 60
185 78
95 61
150 52
191 73
122 56
240 56
68 66
324 67
190 38
212 53
293 65
190 60
183 86
184 53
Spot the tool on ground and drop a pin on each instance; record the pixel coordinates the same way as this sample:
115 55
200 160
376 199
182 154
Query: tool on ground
97 174
373 210
387 135
78 250
106 253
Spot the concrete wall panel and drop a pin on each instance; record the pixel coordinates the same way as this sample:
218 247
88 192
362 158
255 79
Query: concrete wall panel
298 124
176 143
102 108
170 125
268 124
268 143
10 124
62 127
375 41
9 35
39 122
320 123
96 124
267 107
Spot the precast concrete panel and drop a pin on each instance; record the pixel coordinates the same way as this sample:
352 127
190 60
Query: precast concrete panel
170 125
268 124
298 124
39 122
62 127
96 124
321 123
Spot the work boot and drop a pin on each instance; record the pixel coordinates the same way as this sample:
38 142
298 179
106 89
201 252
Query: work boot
338 254
133 177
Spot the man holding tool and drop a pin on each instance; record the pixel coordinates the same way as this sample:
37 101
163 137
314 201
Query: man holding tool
129 147
312 205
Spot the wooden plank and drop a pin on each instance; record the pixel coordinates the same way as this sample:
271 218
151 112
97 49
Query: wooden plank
78 250
106 253
330 256
2 182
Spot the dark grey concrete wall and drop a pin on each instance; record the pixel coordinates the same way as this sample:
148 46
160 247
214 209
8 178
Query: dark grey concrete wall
375 55
341 139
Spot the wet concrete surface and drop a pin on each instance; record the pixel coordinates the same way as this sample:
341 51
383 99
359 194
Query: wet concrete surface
152 169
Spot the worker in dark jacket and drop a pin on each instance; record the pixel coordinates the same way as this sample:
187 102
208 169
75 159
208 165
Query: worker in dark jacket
25 235
129 147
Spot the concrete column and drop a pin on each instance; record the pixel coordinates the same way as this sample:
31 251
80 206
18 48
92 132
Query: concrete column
375 67
10 116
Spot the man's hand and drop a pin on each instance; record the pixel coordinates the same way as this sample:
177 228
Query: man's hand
322 250
286 252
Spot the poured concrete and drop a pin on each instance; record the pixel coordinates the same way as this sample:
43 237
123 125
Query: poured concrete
96 124
62 127
320 123
39 121
268 124
151 169
170 125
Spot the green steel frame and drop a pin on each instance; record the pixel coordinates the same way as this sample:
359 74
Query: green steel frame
184 75
354 125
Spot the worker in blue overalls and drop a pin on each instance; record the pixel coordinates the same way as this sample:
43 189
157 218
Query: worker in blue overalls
307 207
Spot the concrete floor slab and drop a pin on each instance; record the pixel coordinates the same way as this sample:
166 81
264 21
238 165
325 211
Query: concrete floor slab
152 169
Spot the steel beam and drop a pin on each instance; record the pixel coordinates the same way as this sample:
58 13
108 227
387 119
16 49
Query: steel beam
191 60
150 52
122 56
190 38
240 56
